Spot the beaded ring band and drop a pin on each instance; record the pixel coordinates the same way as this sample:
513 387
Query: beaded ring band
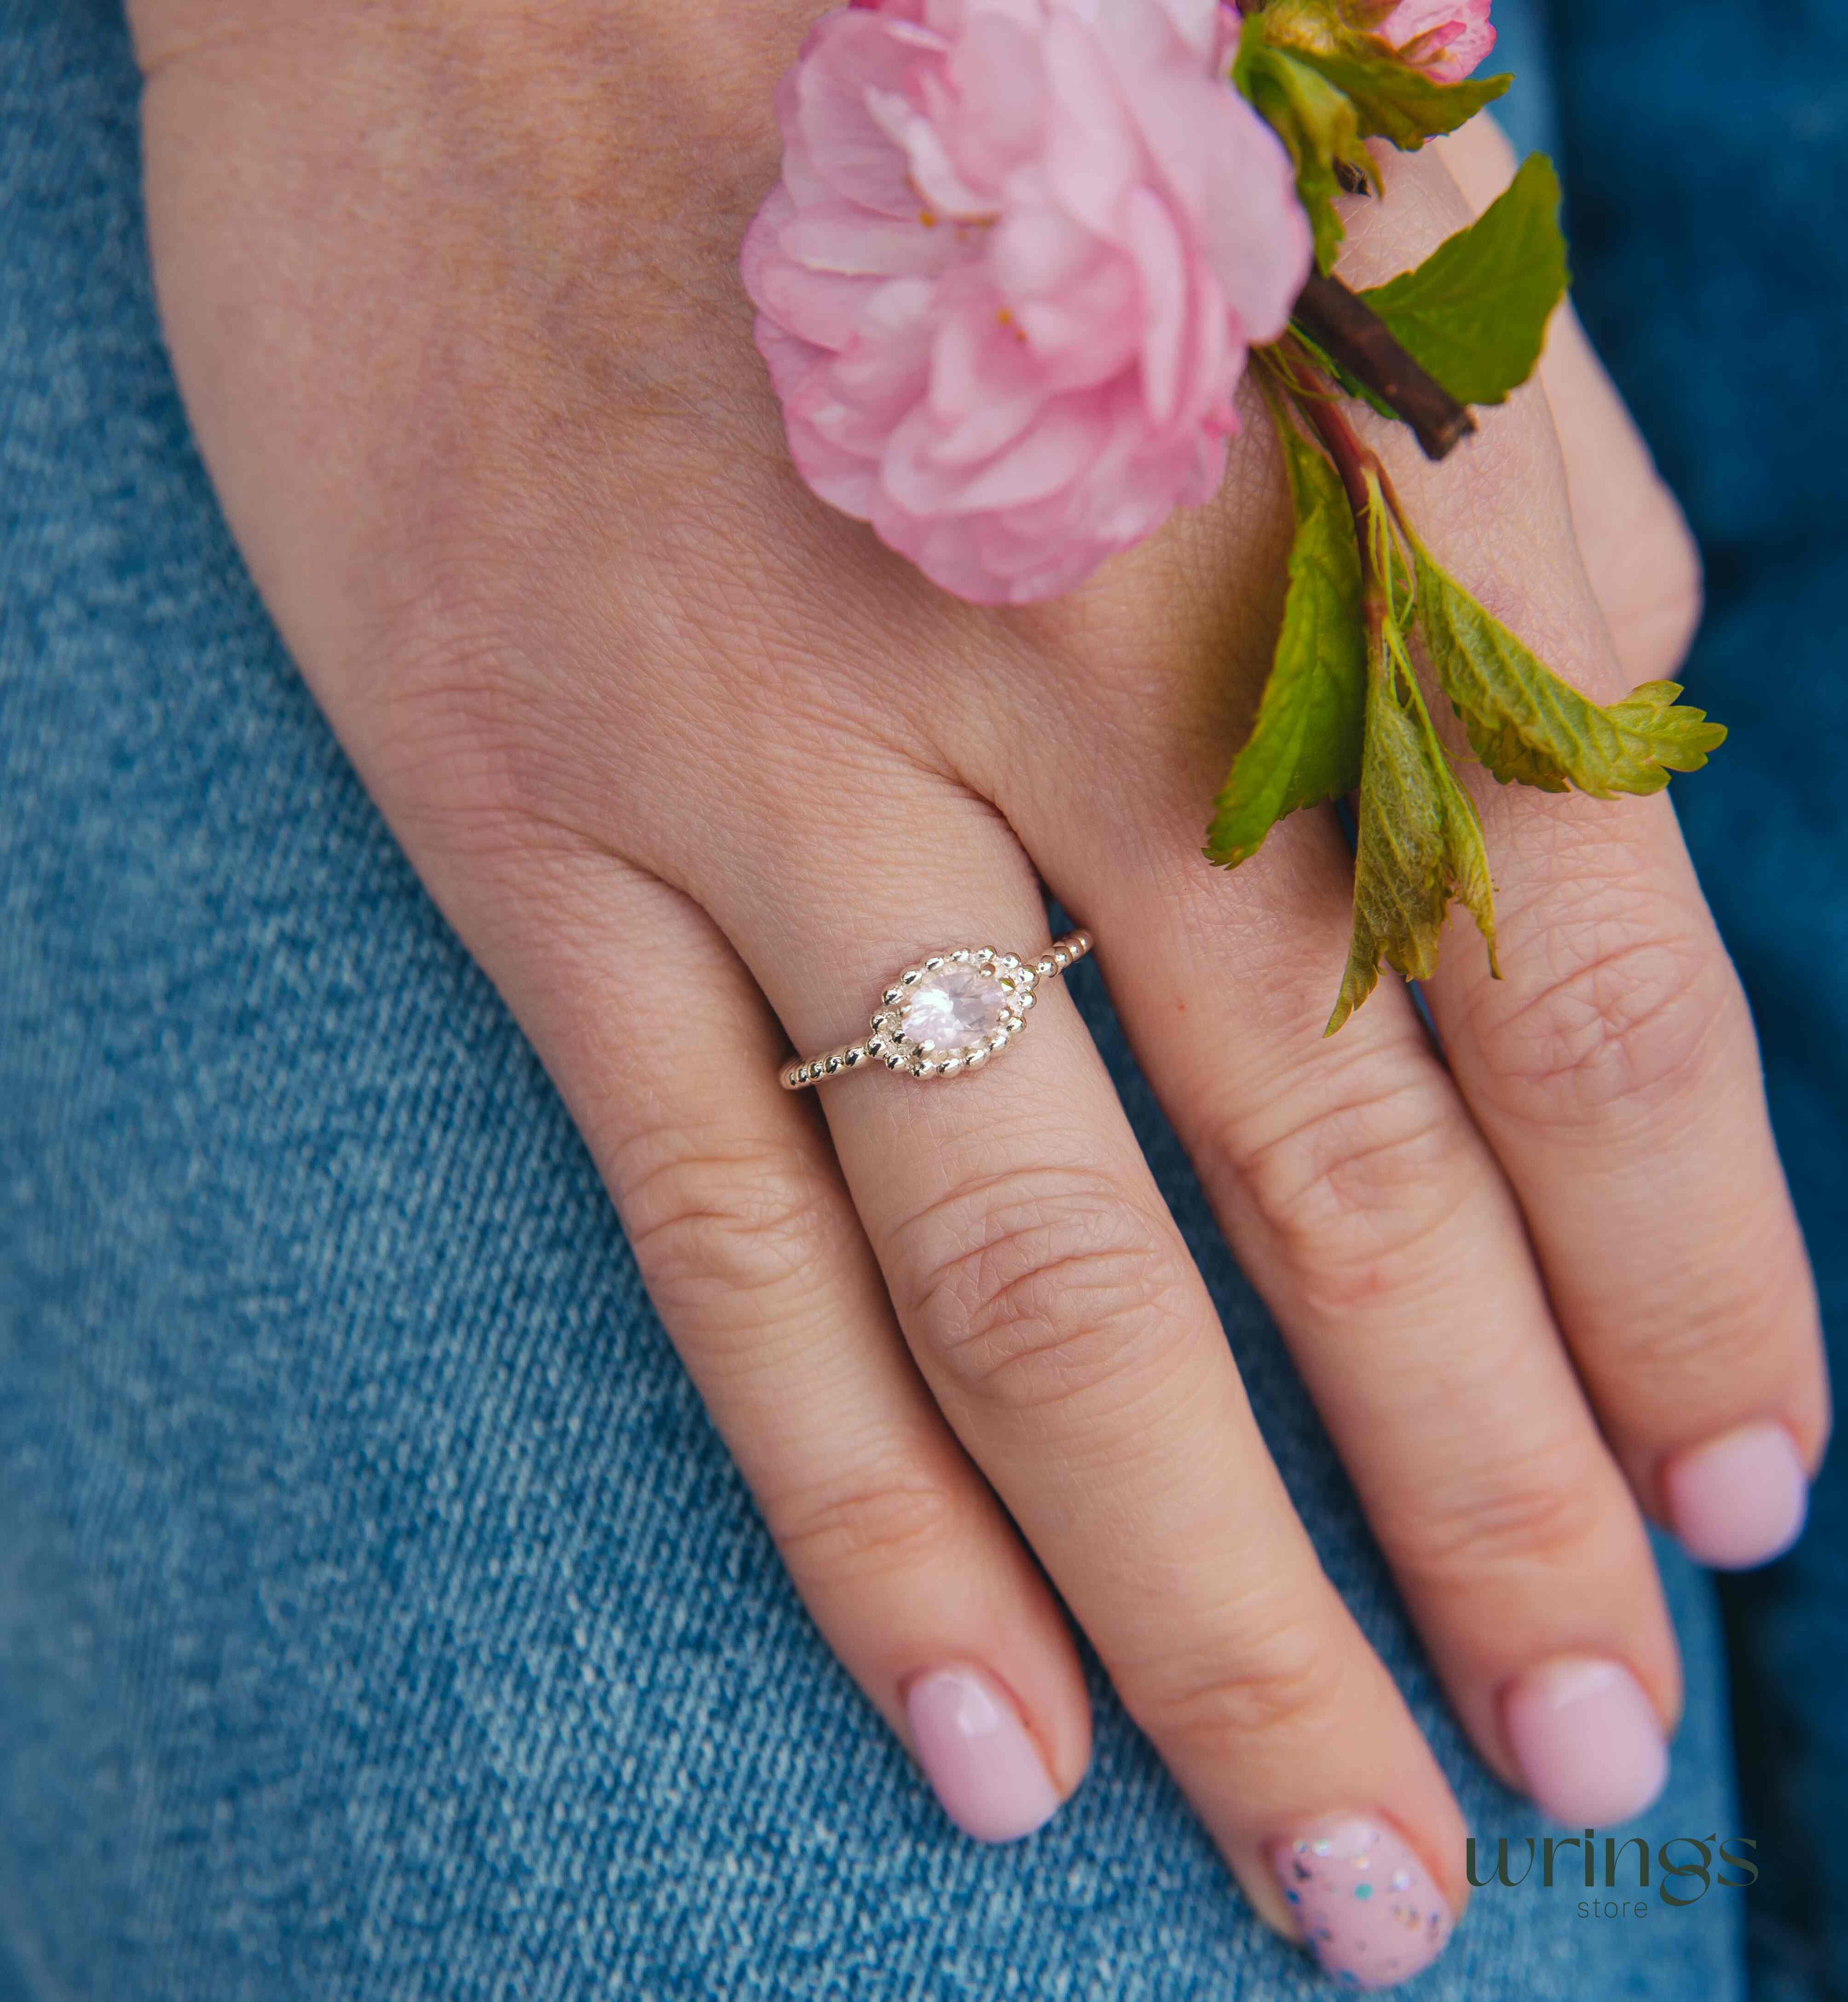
951 1013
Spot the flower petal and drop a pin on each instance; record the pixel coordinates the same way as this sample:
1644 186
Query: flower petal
852 54
1161 266
1006 285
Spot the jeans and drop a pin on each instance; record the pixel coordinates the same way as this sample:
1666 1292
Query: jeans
1699 160
380 1615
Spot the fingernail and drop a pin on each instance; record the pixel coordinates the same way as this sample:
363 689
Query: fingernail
1739 1499
1371 1914
977 1754
1588 1740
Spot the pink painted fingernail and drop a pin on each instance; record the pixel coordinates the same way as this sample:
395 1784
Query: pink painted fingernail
1739 1499
1588 1740
1371 1914
977 1756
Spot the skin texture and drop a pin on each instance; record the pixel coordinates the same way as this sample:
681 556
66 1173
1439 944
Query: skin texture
693 765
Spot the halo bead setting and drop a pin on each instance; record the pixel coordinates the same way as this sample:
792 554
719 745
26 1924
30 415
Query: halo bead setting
954 1011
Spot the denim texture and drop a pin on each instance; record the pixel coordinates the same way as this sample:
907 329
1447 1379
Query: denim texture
1720 302
381 1619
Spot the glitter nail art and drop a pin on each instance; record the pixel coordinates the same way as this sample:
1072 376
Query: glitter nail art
1369 1910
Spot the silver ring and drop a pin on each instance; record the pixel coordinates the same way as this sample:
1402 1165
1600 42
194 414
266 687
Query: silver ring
953 1012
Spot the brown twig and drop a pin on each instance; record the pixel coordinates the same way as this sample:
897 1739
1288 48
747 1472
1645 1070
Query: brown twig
1315 397
1345 327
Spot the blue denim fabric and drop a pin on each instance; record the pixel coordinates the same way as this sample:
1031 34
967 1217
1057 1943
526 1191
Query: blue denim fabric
1720 299
380 1617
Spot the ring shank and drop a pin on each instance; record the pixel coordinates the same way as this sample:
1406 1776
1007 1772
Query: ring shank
830 1063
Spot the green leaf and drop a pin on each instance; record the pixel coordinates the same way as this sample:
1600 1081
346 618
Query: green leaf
1395 101
1421 842
1306 744
1316 124
1525 724
1474 313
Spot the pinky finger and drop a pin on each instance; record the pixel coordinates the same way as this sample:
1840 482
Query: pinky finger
668 1056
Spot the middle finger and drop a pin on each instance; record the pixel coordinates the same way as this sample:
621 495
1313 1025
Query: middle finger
1368 1209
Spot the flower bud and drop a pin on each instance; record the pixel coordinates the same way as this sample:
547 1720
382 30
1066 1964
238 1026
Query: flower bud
1448 39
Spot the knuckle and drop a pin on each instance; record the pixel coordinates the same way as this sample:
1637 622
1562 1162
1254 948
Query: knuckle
1356 1189
1285 1681
716 1225
1541 1512
437 728
1038 1285
1735 1328
1632 1015
868 1529
471 757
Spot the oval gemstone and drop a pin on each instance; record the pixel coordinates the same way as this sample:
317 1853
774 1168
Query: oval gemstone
953 1005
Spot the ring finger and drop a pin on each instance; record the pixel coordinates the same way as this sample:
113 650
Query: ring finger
1066 1334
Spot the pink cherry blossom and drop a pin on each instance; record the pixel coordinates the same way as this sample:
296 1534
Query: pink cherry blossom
1448 38
1006 284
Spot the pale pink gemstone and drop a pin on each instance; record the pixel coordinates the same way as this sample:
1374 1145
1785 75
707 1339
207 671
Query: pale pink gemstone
954 1006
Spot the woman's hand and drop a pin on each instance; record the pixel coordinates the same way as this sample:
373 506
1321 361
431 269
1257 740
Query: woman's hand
693 765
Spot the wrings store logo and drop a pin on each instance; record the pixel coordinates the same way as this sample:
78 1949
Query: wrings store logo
1680 1871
